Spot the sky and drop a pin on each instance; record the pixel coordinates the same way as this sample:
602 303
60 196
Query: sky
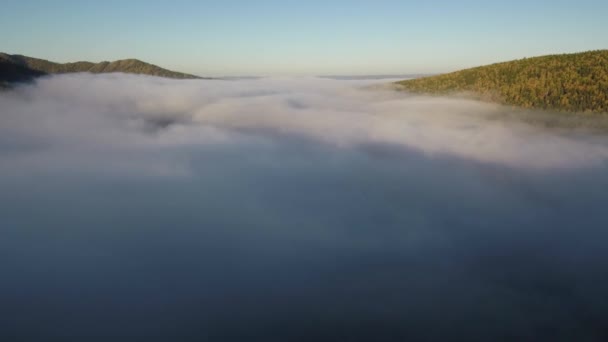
272 37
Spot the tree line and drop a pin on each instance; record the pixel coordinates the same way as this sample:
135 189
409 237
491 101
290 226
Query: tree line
570 82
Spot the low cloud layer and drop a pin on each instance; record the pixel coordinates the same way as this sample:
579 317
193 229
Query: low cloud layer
120 112
293 209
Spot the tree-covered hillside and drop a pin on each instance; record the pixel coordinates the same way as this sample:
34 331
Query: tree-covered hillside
29 65
10 73
569 82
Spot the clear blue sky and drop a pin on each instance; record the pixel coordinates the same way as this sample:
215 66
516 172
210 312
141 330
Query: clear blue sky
231 37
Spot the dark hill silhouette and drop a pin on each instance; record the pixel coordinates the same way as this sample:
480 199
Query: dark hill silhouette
11 73
18 68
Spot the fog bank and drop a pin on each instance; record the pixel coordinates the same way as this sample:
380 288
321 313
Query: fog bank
138 208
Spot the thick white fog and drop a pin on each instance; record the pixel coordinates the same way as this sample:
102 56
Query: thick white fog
68 121
139 208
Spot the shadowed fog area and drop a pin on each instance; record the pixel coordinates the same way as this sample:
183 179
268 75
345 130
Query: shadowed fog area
144 209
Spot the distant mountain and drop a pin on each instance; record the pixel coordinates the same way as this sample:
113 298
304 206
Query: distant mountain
569 82
17 68
10 73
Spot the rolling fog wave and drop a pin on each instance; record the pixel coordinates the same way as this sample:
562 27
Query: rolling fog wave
293 209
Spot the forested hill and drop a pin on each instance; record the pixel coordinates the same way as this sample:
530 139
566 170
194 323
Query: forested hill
11 73
569 82
15 68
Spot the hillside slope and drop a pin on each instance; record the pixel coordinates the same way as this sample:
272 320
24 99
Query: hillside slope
569 82
10 73
21 68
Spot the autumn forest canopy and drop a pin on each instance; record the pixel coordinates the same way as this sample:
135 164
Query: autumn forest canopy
568 82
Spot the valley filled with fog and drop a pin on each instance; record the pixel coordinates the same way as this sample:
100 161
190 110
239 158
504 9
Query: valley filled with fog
293 209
